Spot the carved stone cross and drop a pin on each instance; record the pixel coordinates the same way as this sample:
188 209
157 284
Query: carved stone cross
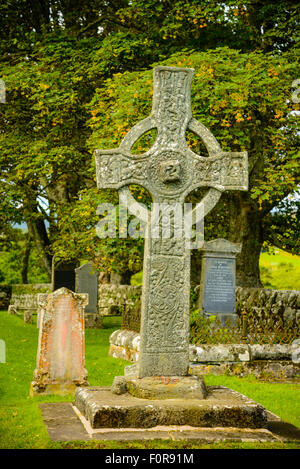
169 171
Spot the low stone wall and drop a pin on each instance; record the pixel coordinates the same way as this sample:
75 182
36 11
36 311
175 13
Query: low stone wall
265 304
264 361
119 300
260 303
125 344
24 299
5 295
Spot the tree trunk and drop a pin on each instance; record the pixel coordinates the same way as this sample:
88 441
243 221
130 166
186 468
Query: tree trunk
245 227
24 271
38 232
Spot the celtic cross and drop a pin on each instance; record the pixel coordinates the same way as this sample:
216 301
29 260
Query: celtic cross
169 170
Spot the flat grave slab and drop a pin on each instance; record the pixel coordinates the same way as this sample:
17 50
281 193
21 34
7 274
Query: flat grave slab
64 422
221 408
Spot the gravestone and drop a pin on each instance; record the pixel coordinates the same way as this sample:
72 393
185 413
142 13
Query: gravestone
169 171
159 390
217 287
63 274
60 365
87 282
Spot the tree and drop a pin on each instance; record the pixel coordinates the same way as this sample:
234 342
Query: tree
60 61
245 100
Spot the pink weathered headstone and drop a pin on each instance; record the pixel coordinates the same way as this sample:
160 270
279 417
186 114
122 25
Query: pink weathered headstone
60 363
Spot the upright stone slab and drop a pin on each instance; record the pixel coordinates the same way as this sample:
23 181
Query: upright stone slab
169 171
217 287
60 365
87 282
63 274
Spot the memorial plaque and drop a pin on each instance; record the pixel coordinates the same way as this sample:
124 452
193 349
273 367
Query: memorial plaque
63 274
219 285
217 289
87 282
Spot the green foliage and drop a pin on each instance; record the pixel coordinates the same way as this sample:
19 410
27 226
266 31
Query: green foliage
68 92
29 289
12 261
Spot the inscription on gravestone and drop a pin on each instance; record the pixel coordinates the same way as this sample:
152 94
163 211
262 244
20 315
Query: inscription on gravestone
217 288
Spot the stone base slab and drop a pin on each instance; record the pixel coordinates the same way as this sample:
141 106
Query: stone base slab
222 408
66 423
161 387
46 389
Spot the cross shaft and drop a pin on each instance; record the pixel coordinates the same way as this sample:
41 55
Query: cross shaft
169 171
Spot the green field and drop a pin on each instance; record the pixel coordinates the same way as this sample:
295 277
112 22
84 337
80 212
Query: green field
21 425
280 270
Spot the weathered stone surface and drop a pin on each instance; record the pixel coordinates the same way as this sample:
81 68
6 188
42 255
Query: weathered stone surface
264 361
93 321
86 281
125 338
222 408
244 302
61 422
217 288
65 423
130 341
12 310
25 301
271 352
124 344
161 387
219 353
60 358
262 369
28 316
170 171
272 306
214 352
115 299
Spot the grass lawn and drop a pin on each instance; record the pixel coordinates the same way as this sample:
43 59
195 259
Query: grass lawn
280 270
21 425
